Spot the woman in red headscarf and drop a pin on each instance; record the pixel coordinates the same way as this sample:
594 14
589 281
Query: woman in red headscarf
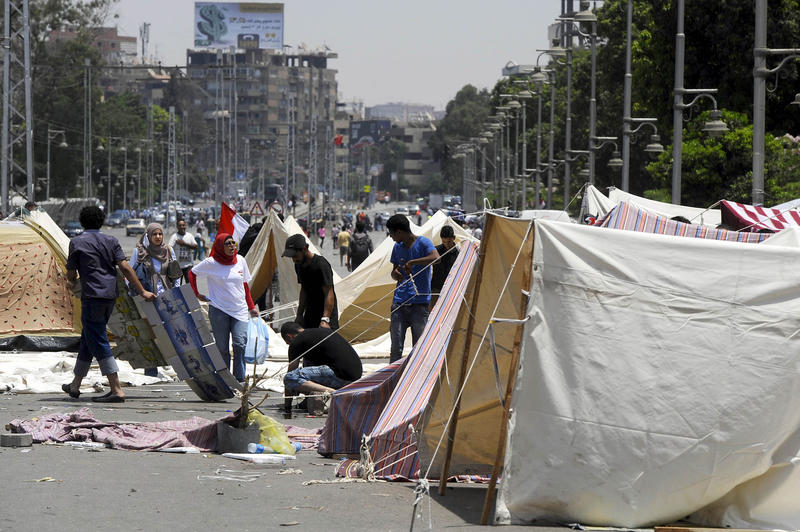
230 305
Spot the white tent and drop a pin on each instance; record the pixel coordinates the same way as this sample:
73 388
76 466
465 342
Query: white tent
653 377
597 204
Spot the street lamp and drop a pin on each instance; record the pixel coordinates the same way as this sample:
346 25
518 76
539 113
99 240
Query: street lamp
678 106
760 72
52 134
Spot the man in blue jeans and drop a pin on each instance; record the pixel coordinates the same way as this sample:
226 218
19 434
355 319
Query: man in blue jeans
96 256
411 257
329 361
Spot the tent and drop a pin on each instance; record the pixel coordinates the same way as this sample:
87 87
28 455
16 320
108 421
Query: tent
39 311
630 217
596 203
365 296
649 382
384 404
752 217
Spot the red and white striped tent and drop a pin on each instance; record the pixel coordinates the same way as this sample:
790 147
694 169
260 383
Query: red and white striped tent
743 217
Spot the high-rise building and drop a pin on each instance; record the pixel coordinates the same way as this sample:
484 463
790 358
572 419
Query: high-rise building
283 102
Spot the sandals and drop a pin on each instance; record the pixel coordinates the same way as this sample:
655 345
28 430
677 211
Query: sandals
66 388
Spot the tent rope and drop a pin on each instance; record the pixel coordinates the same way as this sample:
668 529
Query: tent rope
365 460
421 490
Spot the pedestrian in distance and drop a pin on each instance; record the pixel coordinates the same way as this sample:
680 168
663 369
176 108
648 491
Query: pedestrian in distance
316 305
200 252
360 246
343 239
94 258
184 245
448 252
321 233
230 304
329 361
411 256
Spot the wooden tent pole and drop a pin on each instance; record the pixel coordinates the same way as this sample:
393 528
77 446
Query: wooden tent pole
451 431
512 380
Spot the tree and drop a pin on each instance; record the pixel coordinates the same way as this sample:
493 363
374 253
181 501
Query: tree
464 118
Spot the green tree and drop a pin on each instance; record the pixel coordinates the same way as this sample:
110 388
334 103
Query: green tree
464 118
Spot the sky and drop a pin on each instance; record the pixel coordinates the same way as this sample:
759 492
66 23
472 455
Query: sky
413 51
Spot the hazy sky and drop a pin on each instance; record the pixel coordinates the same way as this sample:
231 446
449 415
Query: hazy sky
420 51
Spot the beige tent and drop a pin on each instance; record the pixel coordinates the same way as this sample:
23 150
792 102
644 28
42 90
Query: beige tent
34 297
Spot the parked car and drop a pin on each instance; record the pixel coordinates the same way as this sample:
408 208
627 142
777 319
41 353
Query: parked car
401 210
135 226
72 229
159 217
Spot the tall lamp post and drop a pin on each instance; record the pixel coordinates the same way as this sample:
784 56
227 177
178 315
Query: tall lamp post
124 151
52 134
760 72
138 151
714 127
588 16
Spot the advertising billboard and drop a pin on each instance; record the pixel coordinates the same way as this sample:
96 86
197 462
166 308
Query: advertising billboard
239 24
368 133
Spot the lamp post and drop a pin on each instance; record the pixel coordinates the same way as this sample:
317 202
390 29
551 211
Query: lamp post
678 106
524 96
138 151
52 134
760 72
588 16
124 151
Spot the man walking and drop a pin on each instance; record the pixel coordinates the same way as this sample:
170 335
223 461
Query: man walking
184 245
316 306
344 245
95 256
360 246
411 256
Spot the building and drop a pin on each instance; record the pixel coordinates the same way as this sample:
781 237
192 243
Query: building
272 112
418 162
401 113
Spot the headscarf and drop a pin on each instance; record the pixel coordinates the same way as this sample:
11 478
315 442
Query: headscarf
218 250
147 248
147 251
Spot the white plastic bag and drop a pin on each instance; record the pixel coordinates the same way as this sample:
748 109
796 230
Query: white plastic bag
257 341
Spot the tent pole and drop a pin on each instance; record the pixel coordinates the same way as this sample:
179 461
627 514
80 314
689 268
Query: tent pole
451 431
512 379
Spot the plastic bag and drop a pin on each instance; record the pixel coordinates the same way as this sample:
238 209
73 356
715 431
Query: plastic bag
257 341
273 434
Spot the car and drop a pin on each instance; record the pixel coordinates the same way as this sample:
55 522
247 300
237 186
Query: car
73 229
159 217
401 210
135 226
115 219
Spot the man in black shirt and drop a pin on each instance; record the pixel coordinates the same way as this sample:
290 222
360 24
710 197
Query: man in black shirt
448 252
329 362
316 306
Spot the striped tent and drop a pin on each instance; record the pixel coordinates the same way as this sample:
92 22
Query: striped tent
386 403
632 218
752 217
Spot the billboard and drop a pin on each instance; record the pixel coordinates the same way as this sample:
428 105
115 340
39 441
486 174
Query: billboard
239 24
368 133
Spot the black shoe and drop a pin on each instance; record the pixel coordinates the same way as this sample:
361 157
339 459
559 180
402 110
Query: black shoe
109 398
66 388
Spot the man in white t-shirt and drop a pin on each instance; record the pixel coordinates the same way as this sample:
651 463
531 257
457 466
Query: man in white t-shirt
183 244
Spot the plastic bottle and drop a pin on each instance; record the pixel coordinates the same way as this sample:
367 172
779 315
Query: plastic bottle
257 448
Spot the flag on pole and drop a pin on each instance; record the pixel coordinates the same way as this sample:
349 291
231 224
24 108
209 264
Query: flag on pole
230 222
338 139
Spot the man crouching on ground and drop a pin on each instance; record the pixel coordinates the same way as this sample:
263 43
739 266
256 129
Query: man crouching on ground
329 361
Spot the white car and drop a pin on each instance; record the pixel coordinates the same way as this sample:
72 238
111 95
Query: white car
402 210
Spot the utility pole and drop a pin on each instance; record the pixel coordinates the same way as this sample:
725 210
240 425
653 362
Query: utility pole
17 108
172 162
87 129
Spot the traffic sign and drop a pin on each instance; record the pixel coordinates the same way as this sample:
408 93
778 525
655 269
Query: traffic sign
256 209
366 188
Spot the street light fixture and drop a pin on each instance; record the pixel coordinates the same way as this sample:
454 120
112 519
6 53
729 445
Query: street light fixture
52 134
655 146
